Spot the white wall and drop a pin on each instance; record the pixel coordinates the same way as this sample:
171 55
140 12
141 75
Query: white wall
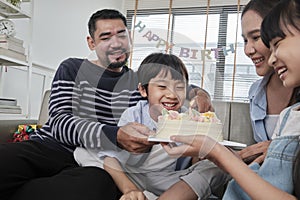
60 28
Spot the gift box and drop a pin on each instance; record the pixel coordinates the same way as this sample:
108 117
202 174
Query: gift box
23 132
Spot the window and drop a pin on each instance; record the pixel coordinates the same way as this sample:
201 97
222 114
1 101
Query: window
207 40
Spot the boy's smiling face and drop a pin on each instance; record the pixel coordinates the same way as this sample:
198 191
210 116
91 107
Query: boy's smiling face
164 92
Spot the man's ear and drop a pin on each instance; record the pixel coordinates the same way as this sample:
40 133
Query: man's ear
91 42
142 90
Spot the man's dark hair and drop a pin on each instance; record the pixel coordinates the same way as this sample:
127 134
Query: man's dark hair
104 14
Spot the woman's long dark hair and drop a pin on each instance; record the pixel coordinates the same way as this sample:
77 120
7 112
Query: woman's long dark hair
286 13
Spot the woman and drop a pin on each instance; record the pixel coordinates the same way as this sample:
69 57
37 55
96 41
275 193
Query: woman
280 31
268 97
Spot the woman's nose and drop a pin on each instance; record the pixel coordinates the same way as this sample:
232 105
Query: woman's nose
249 49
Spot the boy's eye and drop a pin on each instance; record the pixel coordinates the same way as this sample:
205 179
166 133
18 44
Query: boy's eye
161 86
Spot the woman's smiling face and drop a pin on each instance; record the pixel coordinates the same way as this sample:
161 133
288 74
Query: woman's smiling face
254 48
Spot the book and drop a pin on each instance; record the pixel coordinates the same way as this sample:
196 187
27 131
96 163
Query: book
12 46
8 101
11 111
10 106
11 39
12 54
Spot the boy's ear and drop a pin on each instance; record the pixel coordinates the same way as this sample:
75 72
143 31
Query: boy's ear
142 90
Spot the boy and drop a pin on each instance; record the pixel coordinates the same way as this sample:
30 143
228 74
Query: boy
163 81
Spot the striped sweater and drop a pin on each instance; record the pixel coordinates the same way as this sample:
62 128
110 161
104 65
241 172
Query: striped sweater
86 103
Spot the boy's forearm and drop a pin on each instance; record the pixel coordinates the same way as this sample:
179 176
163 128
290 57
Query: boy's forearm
112 166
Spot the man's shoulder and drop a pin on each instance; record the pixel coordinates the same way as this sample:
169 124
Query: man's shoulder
72 61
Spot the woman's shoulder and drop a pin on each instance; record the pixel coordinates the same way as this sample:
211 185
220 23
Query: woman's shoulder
254 87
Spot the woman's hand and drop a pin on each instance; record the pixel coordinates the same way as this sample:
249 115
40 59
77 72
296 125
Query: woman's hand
195 145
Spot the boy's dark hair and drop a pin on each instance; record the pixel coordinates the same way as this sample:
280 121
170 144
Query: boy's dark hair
261 7
285 13
104 14
156 63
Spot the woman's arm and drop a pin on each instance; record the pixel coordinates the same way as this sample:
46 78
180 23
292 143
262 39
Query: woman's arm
206 147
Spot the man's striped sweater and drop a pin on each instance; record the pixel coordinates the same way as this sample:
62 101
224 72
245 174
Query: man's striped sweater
86 103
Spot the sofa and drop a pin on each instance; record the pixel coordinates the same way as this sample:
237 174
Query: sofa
234 115
9 127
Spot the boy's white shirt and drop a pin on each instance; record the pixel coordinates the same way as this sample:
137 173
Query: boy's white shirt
155 159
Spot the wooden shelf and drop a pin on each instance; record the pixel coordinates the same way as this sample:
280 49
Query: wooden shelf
12 58
8 10
7 61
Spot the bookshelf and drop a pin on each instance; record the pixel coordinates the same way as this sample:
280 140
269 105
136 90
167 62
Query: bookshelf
15 56
8 10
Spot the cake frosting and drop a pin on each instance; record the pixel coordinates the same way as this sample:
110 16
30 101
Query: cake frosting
189 123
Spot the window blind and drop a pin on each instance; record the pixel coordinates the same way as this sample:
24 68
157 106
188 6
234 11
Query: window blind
207 37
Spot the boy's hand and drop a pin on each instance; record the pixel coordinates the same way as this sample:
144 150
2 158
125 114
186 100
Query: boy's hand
134 195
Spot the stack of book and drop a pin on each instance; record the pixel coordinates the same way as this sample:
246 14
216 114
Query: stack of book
9 106
12 47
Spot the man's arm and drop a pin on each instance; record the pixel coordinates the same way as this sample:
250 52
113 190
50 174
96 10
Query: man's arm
255 152
73 116
199 99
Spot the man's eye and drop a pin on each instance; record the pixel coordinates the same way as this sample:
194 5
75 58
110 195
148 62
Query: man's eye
104 39
122 35
162 86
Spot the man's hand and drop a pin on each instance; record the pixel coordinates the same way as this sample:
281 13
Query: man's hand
200 100
133 137
255 153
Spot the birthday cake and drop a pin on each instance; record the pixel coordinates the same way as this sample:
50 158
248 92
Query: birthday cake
189 123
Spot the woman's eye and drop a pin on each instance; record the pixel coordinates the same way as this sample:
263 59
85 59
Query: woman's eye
256 37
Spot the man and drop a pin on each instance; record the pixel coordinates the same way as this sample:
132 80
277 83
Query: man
86 102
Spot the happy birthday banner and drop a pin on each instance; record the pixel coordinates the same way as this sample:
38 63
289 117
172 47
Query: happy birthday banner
185 52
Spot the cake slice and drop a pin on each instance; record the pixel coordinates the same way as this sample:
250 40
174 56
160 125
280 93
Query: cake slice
190 123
